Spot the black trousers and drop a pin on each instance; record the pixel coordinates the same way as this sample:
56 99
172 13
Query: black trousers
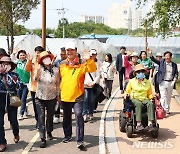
121 77
12 118
34 106
49 105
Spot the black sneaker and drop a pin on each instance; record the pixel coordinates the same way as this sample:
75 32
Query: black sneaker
67 139
43 143
49 136
81 145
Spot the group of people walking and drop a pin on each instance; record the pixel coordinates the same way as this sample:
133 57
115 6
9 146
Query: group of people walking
68 83
136 70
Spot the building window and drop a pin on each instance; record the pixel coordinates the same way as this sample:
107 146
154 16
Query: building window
125 12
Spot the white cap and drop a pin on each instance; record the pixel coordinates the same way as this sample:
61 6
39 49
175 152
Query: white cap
92 52
134 54
159 54
70 45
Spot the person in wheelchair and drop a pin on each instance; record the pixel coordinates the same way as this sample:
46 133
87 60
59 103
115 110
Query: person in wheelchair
140 92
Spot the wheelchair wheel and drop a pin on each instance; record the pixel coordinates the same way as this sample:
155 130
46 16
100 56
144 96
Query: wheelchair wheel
122 121
129 131
154 134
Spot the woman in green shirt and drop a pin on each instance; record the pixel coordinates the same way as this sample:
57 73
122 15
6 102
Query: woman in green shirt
24 77
147 63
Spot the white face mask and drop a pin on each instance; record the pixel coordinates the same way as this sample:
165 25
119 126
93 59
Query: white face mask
7 67
47 60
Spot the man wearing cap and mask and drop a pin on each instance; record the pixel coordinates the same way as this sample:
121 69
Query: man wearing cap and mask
72 74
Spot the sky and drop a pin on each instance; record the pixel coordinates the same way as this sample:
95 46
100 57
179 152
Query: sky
74 10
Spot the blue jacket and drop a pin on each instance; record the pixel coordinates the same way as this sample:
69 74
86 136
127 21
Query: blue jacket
162 69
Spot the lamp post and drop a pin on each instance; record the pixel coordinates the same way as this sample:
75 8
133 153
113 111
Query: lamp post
44 24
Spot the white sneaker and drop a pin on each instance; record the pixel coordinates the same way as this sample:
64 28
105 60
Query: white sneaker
80 145
86 118
56 120
61 111
20 117
91 118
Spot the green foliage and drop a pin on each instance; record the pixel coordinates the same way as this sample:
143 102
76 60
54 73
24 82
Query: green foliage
166 14
77 29
18 30
38 31
12 11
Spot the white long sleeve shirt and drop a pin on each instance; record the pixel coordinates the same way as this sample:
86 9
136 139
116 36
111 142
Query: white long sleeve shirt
95 75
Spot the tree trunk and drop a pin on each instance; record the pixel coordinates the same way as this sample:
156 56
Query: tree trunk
12 43
8 45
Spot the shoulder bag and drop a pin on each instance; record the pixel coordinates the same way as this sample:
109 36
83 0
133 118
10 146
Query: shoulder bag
98 91
14 100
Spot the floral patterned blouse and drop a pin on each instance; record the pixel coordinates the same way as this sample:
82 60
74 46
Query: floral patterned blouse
48 84
12 84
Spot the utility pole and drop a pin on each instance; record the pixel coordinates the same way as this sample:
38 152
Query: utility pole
62 11
44 24
146 37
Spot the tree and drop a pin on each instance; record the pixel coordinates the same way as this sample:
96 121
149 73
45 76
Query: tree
165 14
76 29
12 11
38 31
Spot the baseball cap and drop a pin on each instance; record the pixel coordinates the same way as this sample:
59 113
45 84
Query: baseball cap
70 45
93 52
159 54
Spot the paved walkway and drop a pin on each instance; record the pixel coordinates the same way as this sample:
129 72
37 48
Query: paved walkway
167 142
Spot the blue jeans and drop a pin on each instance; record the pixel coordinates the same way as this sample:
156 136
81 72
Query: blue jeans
88 106
67 119
22 93
12 118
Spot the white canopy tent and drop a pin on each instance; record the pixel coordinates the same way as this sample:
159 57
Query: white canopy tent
109 48
55 44
22 42
138 43
95 44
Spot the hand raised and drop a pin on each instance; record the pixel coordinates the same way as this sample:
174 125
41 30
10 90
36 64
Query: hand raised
149 51
15 51
29 57
86 54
